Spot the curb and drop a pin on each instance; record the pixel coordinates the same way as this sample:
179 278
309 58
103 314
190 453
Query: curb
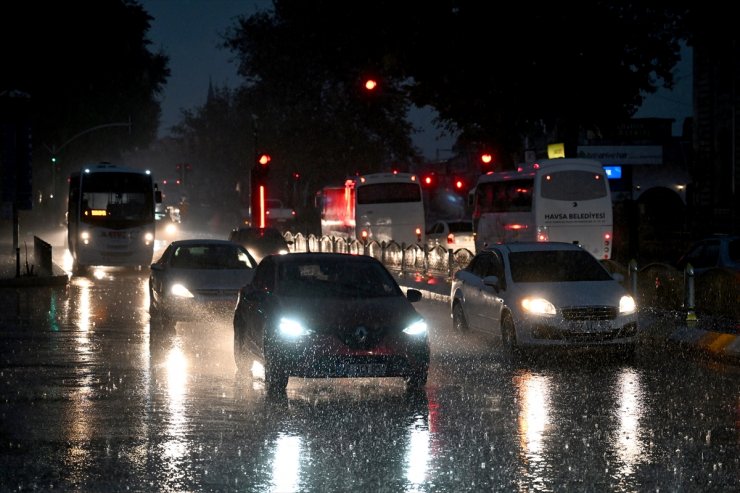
720 345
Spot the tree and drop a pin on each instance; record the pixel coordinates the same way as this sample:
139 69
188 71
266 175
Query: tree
498 72
84 64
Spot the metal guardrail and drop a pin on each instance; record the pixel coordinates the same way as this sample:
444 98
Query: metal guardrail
655 285
398 258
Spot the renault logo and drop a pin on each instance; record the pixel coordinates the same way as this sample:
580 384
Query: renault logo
361 333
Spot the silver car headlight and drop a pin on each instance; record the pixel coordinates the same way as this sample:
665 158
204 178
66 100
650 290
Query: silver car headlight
417 328
291 328
180 291
627 304
538 306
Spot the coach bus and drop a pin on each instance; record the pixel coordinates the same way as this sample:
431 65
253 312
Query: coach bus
110 217
382 207
551 200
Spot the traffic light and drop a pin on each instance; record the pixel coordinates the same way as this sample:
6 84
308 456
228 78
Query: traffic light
458 184
258 188
370 84
486 158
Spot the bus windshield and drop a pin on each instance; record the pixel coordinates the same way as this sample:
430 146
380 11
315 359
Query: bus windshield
117 197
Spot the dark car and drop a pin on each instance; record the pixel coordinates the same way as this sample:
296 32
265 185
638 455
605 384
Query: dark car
713 252
260 241
329 315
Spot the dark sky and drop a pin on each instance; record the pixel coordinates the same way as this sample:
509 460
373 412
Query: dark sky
189 32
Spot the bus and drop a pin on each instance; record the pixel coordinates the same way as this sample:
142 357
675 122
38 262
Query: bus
110 217
382 207
551 200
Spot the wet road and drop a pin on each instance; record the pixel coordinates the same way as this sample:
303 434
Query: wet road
90 401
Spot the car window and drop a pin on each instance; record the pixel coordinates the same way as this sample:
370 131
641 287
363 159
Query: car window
703 255
264 276
485 264
556 266
461 227
322 278
211 257
733 250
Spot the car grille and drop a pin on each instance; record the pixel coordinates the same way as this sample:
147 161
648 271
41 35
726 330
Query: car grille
590 313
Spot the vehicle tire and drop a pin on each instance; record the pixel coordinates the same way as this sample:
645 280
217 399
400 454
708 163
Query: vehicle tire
240 354
459 324
417 380
276 378
508 336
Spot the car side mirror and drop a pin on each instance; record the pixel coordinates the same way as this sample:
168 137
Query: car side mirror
413 295
157 267
492 281
617 276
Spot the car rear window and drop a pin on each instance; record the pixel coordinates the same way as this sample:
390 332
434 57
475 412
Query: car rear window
461 227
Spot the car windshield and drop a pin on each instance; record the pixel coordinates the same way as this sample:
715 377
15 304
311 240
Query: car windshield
331 278
556 266
210 257
461 227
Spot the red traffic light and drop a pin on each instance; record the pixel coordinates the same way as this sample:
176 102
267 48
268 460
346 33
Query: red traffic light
428 180
486 158
459 184
371 84
264 159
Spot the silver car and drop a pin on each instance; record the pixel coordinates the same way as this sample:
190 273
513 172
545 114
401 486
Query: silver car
197 279
548 294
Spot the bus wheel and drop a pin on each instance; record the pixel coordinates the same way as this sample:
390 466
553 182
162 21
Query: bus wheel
458 318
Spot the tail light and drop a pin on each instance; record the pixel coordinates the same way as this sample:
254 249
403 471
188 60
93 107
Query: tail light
450 239
418 234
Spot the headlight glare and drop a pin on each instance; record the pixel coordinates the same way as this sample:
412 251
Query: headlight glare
417 328
291 328
538 306
627 304
180 291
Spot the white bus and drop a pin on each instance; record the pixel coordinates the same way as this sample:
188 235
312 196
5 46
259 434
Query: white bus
552 200
382 207
110 217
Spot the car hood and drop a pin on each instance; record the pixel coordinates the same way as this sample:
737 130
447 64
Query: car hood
588 293
332 315
212 278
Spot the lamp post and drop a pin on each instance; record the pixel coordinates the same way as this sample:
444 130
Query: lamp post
54 150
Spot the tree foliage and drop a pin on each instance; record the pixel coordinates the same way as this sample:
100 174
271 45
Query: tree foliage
495 72
84 64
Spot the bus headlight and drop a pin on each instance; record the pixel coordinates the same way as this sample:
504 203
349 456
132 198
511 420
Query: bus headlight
148 237
85 237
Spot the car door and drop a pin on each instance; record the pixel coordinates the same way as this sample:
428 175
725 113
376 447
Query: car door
476 293
489 297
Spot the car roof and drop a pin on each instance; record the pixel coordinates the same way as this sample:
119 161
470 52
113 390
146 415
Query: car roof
534 246
202 241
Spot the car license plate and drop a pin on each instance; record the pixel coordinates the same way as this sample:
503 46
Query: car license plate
366 370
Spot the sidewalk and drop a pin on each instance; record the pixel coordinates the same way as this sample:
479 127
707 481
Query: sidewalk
27 272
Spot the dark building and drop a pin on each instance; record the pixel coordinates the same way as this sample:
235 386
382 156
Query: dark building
714 199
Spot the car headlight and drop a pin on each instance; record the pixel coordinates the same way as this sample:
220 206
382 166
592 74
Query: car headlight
627 304
289 327
417 328
538 306
180 291
170 229
148 237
